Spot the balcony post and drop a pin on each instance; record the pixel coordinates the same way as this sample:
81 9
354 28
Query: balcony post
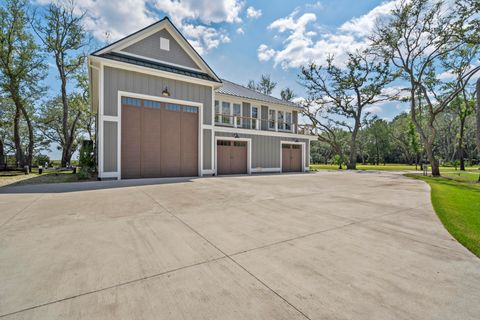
234 121
257 123
276 125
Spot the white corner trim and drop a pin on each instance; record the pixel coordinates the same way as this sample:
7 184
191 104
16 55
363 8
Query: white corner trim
304 150
249 151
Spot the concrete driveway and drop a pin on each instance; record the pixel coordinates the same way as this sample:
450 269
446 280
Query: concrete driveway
329 245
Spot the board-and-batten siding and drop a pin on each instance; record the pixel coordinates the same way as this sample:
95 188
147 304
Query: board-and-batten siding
207 149
266 149
150 48
123 80
110 139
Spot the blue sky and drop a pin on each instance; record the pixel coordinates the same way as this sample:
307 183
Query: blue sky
242 39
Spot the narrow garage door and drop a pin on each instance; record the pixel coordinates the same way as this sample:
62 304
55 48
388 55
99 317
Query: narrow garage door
158 139
231 157
291 158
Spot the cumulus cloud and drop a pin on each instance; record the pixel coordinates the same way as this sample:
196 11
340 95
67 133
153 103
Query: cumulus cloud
253 13
303 43
240 30
196 19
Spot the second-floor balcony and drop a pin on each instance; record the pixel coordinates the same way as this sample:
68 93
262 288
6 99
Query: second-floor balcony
236 121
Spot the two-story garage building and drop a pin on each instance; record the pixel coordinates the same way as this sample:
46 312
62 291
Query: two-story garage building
163 112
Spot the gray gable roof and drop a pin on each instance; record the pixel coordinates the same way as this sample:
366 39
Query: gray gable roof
237 90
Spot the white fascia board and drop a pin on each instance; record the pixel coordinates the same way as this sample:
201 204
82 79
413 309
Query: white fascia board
150 71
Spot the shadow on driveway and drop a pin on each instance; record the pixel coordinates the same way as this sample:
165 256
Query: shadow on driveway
89 185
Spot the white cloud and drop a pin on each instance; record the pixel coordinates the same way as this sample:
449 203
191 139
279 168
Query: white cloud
253 13
303 43
240 30
375 109
264 53
194 18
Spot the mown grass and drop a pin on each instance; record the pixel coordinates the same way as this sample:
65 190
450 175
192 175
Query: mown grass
397 167
456 200
48 176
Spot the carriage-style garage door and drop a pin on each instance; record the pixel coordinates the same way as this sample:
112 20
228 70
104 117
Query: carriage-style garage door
158 139
291 158
231 157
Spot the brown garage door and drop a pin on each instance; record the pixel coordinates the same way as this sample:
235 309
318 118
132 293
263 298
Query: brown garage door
158 139
291 158
231 157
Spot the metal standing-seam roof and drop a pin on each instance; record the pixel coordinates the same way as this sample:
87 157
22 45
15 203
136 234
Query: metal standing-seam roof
237 90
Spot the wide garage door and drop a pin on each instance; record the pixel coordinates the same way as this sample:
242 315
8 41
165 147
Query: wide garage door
231 157
291 158
158 139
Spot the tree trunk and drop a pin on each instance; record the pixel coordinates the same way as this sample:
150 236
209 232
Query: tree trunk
478 116
66 148
352 159
29 159
460 144
2 155
433 161
19 155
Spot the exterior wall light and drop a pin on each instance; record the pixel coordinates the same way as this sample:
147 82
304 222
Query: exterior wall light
236 136
165 92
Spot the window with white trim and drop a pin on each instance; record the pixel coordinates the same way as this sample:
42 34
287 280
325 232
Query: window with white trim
281 120
237 111
217 111
254 117
164 44
226 113
288 121
271 119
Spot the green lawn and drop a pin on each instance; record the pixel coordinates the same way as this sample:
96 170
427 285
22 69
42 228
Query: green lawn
395 167
49 176
457 204
388 166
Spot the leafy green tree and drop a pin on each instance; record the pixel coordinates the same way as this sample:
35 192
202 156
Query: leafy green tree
265 85
378 135
287 94
63 35
22 69
345 92
418 37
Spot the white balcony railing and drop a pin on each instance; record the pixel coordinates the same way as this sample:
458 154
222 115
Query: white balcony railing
237 121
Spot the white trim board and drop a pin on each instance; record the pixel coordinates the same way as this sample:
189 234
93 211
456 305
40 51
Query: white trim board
153 72
304 149
156 60
263 133
249 151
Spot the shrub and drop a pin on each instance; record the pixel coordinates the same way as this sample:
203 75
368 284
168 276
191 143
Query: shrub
41 159
86 160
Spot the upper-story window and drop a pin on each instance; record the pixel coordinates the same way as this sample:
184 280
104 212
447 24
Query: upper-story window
271 119
217 111
288 121
254 117
164 44
237 112
226 113
281 120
